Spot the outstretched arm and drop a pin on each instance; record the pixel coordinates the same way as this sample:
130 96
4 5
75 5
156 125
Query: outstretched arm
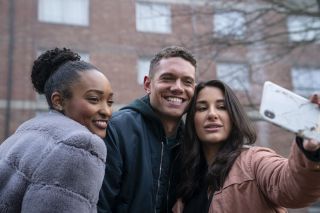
312 145
294 182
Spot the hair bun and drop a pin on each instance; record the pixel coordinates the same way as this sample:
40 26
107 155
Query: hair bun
48 63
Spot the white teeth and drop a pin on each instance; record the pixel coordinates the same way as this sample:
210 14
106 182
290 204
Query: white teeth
101 124
175 100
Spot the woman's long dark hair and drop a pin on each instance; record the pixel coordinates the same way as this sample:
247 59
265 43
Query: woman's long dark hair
194 170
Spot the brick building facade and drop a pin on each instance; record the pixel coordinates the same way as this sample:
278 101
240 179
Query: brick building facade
120 36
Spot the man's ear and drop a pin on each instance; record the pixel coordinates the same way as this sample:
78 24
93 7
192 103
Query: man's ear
57 101
147 84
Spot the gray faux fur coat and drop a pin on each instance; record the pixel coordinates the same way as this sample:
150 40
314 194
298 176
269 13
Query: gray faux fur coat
51 164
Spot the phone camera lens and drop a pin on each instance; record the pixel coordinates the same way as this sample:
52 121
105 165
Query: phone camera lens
269 114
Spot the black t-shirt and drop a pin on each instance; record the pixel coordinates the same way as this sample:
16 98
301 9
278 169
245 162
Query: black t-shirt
199 202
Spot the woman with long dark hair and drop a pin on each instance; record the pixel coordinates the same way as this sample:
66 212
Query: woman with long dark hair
219 173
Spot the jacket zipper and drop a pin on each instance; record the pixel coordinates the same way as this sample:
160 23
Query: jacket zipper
160 169
168 191
170 174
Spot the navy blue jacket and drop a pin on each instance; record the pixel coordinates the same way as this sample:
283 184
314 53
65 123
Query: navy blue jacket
139 163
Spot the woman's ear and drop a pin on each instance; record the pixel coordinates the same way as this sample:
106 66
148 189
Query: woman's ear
57 101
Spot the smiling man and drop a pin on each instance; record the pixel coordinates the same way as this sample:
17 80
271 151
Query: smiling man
143 137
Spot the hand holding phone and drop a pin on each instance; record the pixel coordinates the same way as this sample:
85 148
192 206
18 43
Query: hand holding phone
290 111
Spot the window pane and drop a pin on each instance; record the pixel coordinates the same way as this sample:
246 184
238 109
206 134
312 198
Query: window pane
85 57
235 75
152 17
303 28
305 80
229 24
143 69
50 11
74 12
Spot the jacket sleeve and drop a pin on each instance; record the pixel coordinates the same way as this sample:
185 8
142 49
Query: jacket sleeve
292 182
113 173
69 176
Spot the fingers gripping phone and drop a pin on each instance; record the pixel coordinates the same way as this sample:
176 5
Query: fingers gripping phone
290 111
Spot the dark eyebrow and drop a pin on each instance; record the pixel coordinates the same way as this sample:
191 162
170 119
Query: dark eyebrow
201 102
95 90
99 92
167 74
220 101
204 101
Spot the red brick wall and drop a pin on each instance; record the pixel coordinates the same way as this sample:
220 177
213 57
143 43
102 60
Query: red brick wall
115 46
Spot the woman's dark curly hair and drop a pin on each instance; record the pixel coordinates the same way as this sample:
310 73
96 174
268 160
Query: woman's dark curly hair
194 168
56 70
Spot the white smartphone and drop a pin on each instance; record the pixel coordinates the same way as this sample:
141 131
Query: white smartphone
290 111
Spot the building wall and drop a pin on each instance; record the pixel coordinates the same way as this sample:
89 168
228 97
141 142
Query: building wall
114 46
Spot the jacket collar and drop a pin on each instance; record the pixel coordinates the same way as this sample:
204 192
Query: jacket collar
144 107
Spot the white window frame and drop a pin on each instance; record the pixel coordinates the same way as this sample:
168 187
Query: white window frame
236 75
303 28
231 24
305 80
153 17
143 67
73 12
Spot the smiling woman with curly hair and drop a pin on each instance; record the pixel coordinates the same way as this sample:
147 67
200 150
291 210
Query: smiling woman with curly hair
55 162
